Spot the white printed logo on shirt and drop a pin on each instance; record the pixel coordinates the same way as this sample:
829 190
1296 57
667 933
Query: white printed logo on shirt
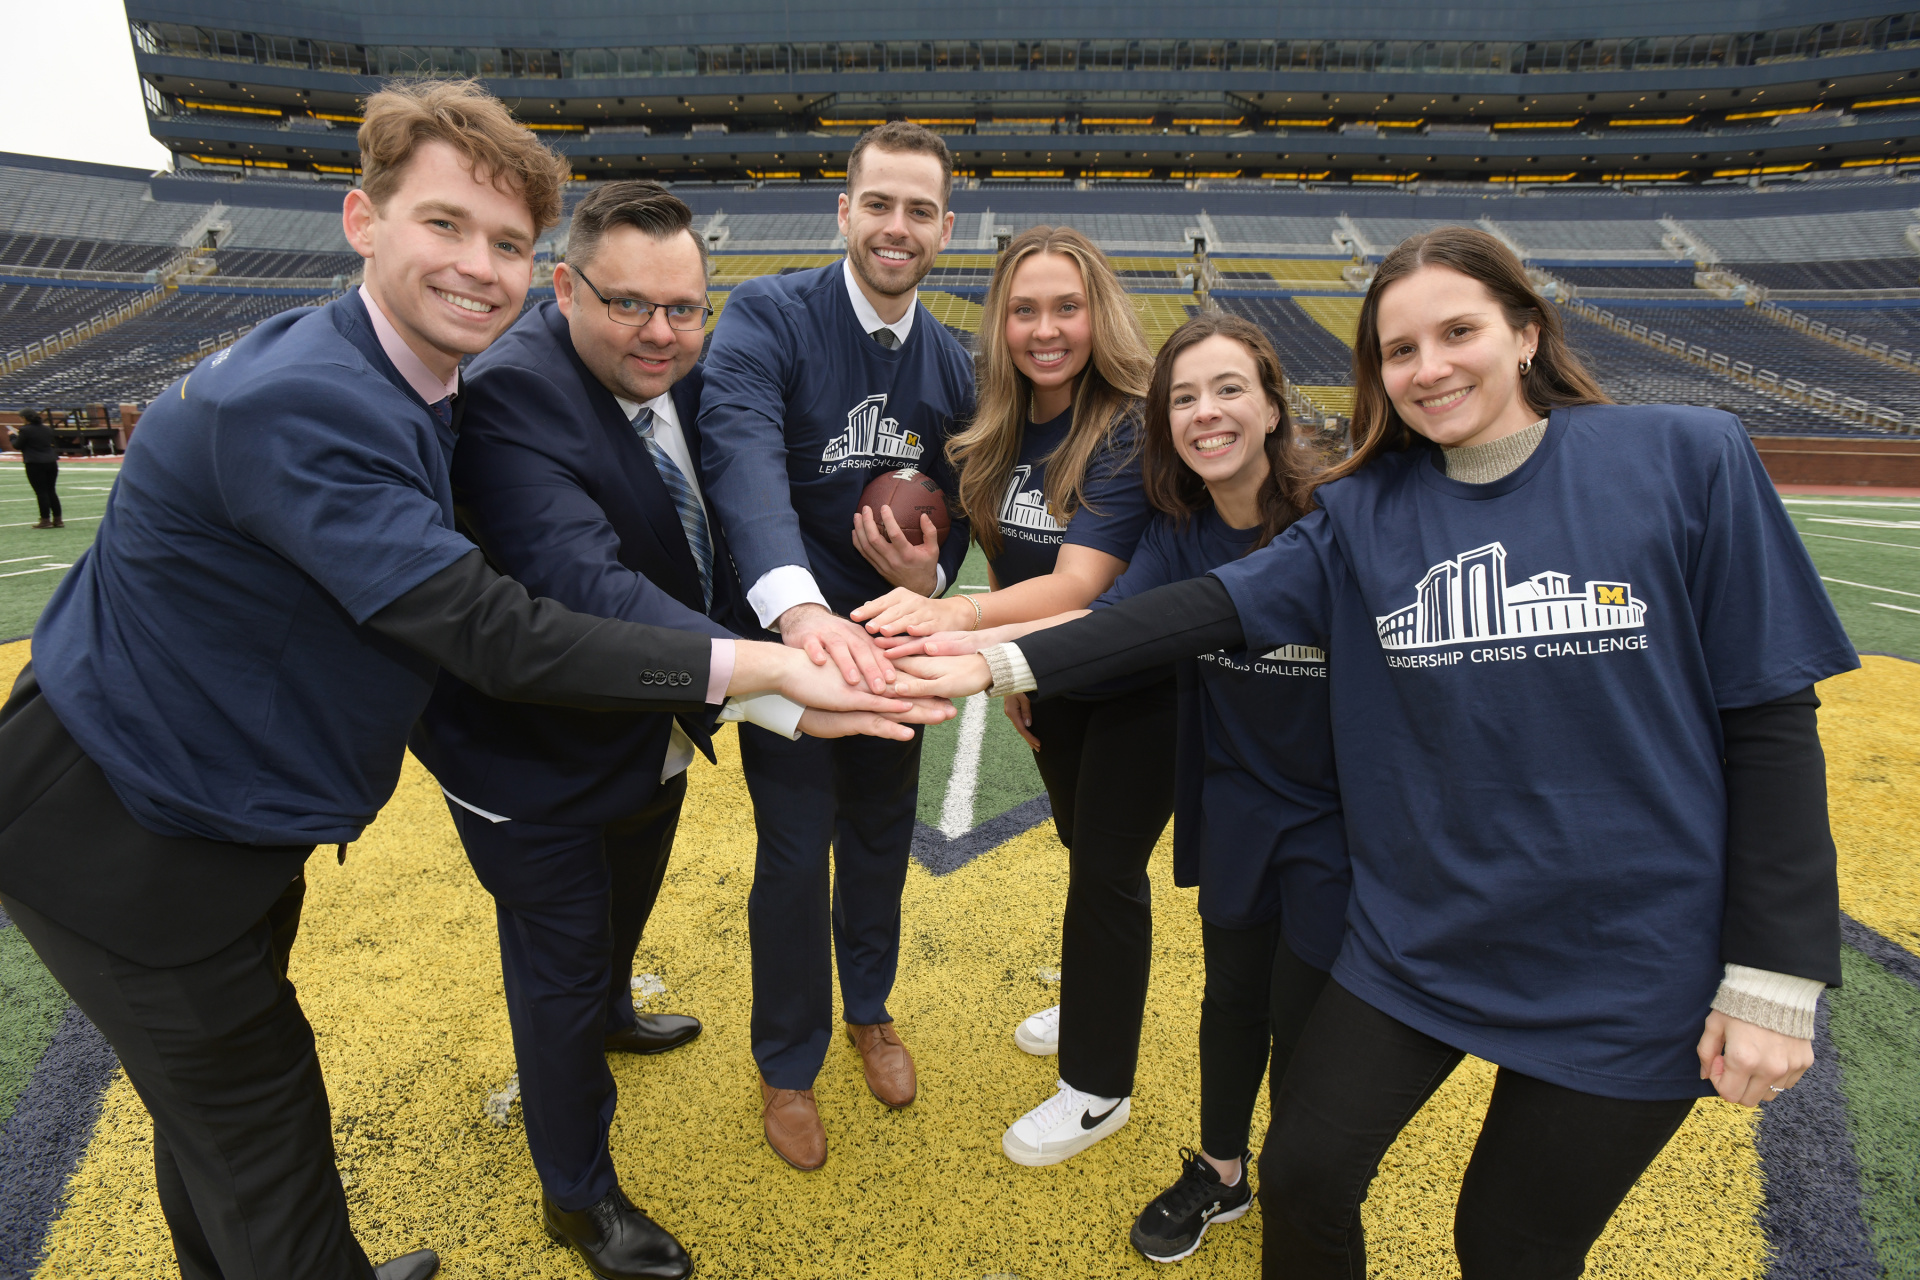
1025 508
1287 660
870 438
1469 598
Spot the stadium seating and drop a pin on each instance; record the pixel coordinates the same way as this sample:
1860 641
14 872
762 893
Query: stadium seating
1897 327
1627 277
1597 238
83 207
1114 231
1743 334
1251 233
1820 238
1844 273
1382 234
1632 372
63 253
286 264
1308 353
30 313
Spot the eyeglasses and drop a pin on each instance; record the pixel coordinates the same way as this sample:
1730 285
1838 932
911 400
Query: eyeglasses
636 313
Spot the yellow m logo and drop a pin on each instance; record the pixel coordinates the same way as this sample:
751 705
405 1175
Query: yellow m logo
1610 595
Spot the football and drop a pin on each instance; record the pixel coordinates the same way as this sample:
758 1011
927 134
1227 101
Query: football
911 495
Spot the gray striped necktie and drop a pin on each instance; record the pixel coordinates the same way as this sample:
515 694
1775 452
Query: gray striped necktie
693 519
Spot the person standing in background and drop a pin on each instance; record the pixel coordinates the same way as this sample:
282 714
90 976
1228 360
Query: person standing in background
40 451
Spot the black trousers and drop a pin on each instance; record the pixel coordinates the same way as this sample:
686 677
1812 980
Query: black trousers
1550 1167
224 1060
571 903
43 476
1108 768
834 824
1258 997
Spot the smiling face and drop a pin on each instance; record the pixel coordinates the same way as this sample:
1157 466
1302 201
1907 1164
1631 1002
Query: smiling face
1450 361
449 256
895 221
1049 328
1220 415
638 363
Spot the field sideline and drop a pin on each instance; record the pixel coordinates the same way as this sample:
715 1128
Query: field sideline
398 970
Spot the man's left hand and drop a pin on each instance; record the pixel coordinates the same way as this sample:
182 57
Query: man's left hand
881 540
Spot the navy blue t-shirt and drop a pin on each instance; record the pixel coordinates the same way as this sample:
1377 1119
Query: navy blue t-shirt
801 409
1527 677
1256 820
1113 510
208 650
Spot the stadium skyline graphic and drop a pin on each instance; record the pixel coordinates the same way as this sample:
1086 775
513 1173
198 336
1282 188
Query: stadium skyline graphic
1469 598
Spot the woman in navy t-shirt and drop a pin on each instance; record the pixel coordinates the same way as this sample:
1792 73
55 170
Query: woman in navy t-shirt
1050 480
1257 823
1572 649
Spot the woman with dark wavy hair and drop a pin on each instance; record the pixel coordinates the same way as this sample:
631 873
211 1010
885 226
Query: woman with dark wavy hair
1571 649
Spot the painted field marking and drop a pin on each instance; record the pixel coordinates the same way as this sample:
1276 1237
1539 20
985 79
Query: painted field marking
1833 537
1864 522
44 568
956 812
1870 587
28 524
23 559
1849 502
1878 604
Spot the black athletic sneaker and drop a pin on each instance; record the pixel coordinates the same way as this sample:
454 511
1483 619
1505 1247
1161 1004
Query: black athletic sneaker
1170 1228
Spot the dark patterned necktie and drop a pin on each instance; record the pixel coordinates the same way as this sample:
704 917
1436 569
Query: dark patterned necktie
886 337
693 518
443 410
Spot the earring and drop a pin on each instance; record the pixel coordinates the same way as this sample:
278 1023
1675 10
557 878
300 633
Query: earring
1526 366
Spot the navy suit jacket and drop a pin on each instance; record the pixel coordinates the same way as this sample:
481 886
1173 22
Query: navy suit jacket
550 480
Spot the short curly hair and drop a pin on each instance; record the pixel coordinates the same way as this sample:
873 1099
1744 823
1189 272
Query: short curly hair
406 113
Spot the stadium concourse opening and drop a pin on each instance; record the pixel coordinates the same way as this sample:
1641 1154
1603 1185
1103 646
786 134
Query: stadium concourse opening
1725 216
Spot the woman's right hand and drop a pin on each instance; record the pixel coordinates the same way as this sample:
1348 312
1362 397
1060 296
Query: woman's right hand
901 610
943 677
1020 711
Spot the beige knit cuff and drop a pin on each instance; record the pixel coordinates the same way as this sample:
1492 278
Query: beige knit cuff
1777 1001
1011 674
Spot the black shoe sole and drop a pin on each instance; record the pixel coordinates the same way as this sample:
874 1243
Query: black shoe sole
560 1239
651 1053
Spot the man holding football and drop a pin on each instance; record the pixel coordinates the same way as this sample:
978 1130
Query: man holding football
818 382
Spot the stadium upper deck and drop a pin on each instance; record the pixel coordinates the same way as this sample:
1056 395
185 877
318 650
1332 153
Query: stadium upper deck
1488 90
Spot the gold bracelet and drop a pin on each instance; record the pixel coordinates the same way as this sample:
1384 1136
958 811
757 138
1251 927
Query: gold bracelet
978 617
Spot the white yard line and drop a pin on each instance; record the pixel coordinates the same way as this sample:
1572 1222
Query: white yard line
44 568
1848 502
28 524
1881 604
1834 537
956 813
1870 587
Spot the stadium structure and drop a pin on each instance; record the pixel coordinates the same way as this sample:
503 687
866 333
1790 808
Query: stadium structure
1720 195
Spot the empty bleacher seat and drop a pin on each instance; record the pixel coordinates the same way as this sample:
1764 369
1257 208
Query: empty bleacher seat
63 253
1308 353
83 207
1826 237
1843 273
1596 237
1627 277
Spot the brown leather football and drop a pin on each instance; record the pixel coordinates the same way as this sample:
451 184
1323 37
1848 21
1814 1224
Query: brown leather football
911 495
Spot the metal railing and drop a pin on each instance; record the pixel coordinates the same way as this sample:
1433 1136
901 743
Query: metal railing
34 352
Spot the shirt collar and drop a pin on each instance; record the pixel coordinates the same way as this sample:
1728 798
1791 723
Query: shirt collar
425 385
869 318
662 406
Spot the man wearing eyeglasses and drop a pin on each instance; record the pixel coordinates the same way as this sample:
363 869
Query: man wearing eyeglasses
577 471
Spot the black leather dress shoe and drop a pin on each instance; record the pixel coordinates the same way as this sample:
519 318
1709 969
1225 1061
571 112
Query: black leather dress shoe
654 1033
411 1266
617 1241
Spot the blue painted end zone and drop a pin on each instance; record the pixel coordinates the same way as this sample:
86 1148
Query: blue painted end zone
43 1141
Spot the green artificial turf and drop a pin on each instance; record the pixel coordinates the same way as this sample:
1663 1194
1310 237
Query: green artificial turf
27 555
31 1007
1876 1030
1869 553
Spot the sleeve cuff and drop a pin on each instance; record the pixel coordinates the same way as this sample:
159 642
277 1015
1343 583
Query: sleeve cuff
939 581
719 671
770 711
779 589
1777 1001
1011 674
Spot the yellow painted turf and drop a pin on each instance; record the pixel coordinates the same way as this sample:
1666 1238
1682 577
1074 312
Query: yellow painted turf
398 970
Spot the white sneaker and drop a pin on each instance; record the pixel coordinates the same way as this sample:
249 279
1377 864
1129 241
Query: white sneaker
1063 1126
1040 1034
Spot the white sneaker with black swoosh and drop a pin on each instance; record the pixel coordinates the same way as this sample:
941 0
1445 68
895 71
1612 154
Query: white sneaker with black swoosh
1063 1126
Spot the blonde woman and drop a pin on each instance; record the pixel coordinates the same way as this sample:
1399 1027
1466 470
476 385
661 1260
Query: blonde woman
1049 477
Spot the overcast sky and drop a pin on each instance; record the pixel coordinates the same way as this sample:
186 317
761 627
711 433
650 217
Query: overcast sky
68 86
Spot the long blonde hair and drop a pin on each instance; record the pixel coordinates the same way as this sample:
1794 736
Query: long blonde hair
1110 388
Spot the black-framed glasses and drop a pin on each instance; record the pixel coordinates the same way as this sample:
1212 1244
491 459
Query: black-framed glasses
636 312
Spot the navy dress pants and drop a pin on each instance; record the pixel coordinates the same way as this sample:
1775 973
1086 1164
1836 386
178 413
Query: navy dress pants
571 904
854 797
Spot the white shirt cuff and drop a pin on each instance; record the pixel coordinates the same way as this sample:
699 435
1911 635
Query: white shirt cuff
1777 1001
679 757
939 581
770 711
781 588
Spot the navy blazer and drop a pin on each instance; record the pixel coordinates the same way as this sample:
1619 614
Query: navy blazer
550 480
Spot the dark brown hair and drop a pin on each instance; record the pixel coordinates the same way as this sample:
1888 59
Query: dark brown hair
1287 492
904 135
648 207
460 113
1556 379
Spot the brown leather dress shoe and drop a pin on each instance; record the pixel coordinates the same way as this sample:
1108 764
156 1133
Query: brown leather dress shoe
792 1122
888 1065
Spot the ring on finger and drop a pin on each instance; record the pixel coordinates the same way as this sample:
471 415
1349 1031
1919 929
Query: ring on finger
1776 1088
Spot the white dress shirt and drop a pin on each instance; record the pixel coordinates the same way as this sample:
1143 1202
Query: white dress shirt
784 586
